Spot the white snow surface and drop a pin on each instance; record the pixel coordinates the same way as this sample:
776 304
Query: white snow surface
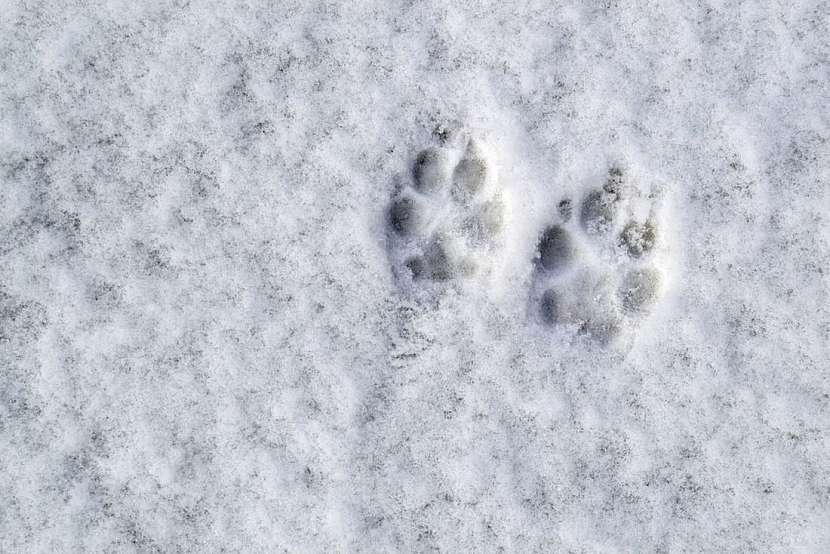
203 346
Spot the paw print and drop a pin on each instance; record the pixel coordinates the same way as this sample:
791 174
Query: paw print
446 220
597 270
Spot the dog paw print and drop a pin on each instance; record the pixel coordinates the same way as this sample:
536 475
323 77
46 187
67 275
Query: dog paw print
446 219
597 268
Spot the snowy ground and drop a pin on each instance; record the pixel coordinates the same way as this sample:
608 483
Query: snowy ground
207 342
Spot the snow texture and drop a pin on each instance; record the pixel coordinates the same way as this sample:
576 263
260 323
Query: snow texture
211 339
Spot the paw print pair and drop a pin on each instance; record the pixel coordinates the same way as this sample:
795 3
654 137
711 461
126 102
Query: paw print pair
595 268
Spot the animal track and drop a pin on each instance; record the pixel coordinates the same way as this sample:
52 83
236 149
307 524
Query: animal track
599 274
446 220
597 265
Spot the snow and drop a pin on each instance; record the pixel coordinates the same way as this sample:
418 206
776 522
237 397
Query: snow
205 344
